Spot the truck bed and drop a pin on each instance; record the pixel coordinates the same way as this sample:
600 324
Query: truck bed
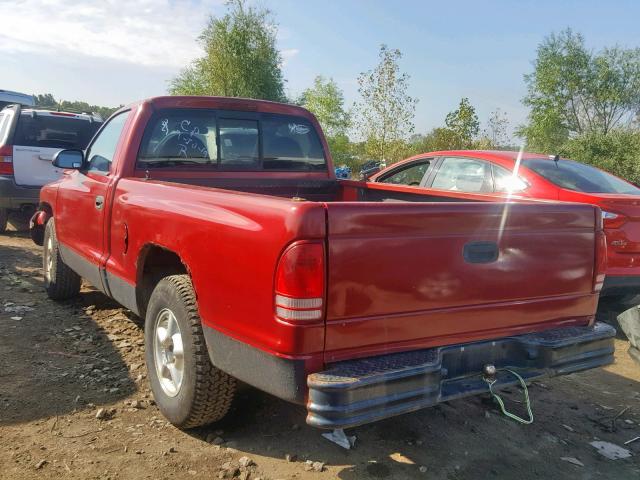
401 272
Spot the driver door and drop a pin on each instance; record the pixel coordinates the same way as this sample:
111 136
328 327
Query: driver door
83 201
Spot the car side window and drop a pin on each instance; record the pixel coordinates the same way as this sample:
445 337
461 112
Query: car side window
463 175
407 175
505 182
101 152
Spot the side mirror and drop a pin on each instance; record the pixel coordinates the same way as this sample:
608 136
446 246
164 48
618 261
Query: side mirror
69 159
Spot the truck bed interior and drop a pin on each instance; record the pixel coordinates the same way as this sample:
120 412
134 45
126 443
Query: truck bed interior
328 190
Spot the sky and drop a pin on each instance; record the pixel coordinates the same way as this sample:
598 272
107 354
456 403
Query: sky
112 52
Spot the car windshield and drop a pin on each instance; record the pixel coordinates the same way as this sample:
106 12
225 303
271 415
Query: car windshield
49 131
579 177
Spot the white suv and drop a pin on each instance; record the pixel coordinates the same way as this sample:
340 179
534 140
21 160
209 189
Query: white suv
29 137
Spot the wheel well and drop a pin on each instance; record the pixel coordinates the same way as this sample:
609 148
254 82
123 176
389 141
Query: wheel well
155 263
47 208
37 232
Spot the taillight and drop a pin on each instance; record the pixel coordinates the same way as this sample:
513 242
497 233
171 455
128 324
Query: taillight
299 283
612 220
601 261
6 160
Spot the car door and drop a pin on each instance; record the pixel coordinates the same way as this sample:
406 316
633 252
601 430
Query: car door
82 203
411 174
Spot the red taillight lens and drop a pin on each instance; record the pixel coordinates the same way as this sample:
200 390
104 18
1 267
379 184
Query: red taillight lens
6 160
299 283
612 220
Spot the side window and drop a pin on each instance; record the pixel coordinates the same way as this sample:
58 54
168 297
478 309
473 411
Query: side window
505 182
239 142
407 175
101 152
463 175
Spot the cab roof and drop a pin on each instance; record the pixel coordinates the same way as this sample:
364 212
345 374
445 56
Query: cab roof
223 103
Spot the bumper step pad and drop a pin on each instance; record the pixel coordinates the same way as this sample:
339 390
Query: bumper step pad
356 392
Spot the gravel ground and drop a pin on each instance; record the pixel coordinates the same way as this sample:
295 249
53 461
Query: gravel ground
75 403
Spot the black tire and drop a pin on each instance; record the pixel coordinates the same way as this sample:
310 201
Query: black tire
205 392
4 219
60 282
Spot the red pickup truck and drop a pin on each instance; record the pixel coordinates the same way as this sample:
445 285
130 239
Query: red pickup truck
220 221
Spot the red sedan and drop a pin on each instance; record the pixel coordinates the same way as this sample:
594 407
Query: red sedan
497 174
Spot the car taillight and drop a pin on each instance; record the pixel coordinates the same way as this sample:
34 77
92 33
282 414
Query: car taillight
601 261
612 220
6 160
299 283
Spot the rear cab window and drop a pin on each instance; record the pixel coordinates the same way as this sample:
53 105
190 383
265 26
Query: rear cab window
54 131
579 177
202 139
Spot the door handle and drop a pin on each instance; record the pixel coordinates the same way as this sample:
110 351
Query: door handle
99 202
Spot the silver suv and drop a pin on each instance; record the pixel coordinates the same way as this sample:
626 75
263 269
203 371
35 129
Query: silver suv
29 137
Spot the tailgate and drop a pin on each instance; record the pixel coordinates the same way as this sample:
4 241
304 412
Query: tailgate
32 166
408 275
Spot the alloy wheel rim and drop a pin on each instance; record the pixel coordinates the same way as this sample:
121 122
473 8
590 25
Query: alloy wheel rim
168 352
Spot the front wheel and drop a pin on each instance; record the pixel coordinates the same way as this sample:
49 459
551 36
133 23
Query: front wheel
187 388
60 282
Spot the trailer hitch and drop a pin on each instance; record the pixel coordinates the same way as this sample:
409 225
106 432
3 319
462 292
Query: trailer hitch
489 373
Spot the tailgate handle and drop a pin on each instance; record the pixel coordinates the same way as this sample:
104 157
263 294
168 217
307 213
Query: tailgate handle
480 252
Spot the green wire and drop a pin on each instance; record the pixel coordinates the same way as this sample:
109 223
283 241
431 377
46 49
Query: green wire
501 403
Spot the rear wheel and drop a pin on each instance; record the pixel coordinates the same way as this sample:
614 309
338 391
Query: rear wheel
188 389
4 219
60 282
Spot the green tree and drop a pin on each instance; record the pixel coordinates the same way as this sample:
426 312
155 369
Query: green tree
326 101
463 122
385 111
496 132
439 138
240 60
47 100
574 91
617 152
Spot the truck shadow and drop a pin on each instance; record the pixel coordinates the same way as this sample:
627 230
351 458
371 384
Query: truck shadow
55 358
609 309
462 439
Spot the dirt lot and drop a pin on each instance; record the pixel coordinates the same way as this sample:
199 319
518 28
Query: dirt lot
64 364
